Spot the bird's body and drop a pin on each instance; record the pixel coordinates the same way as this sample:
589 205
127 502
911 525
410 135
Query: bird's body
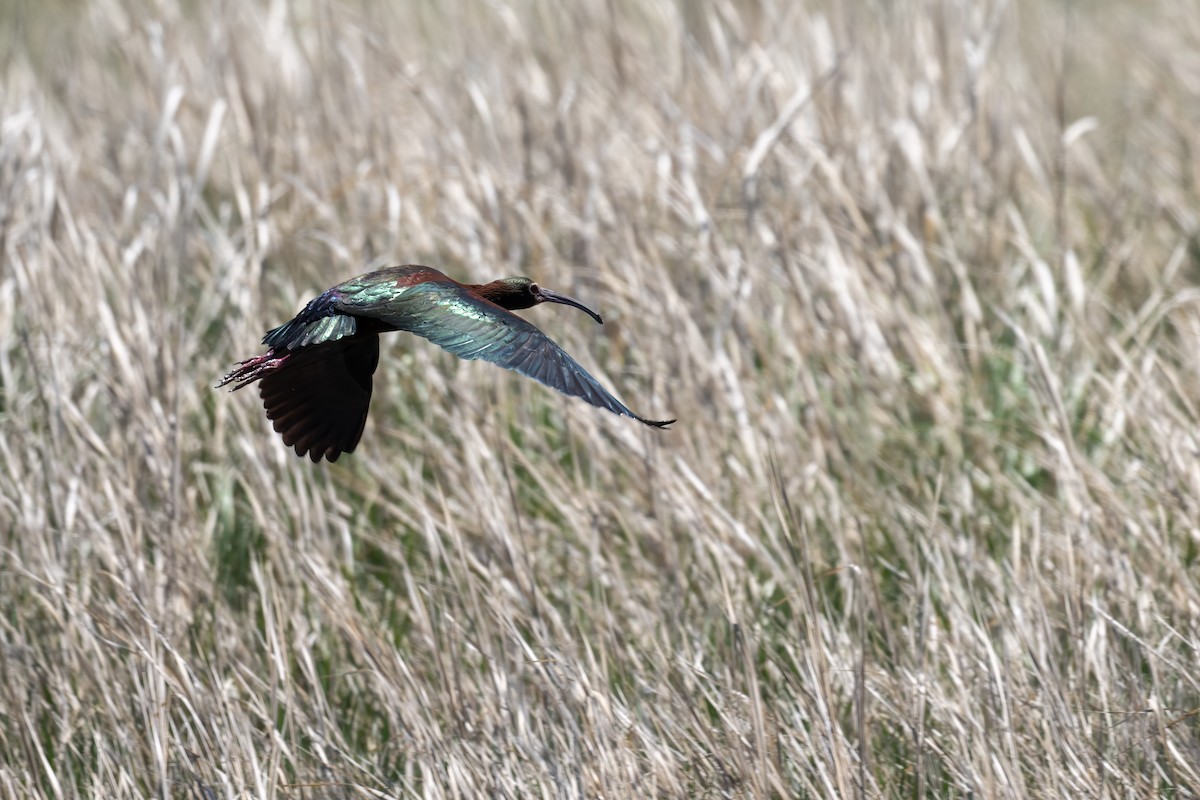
316 378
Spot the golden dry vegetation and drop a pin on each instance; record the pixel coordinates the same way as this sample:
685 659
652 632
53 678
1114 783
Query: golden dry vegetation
919 280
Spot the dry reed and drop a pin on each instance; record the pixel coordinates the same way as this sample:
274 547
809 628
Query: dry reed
918 279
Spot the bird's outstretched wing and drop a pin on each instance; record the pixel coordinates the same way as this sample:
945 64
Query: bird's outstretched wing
473 328
319 396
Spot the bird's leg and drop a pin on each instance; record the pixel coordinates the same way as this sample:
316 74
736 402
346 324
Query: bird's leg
252 369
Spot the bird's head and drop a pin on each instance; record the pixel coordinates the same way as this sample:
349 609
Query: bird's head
517 293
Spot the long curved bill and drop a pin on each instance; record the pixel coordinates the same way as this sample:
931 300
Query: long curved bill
554 297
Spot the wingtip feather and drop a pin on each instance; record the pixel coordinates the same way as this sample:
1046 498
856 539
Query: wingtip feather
660 424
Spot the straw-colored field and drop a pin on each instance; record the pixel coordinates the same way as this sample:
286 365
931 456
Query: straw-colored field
921 281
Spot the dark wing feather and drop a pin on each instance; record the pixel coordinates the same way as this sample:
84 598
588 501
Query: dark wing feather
318 398
473 328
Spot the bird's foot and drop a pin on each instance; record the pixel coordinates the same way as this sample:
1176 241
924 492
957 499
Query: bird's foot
252 369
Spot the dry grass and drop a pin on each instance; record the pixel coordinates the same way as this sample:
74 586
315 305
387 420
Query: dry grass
918 279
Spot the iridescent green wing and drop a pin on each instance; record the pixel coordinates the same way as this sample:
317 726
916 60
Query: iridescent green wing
318 323
331 315
472 328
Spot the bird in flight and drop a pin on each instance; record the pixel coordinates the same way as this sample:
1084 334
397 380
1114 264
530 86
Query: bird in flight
315 378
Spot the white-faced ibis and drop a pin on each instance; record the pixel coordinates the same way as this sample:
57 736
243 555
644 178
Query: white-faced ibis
316 376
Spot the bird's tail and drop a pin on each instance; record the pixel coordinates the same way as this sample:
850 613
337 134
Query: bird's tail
250 370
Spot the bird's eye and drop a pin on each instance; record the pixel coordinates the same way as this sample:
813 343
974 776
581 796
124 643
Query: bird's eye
533 287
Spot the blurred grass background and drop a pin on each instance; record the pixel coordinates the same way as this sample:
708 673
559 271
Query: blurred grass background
918 278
